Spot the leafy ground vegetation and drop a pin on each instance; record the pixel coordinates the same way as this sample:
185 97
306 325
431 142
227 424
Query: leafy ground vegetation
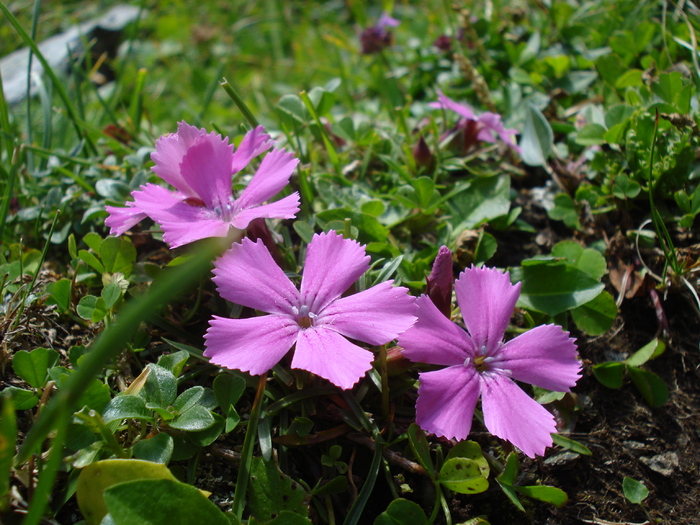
557 140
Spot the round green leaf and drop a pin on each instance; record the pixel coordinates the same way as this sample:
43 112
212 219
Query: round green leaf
158 449
402 512
596 316
553 495
651 386
33 366
195 418
97 477
125 406
160 502
463 475
634 490
610 373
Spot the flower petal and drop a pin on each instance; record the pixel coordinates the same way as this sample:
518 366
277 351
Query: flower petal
206 168
329 355
446 401
544 356
434 339
192 227
248 275
272 176
486 299
332 265
376 315
252 345
286 208
254 143
447 103
170 149
491 123
511 414
124 218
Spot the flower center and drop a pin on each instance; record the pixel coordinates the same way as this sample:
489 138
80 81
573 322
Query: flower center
305 318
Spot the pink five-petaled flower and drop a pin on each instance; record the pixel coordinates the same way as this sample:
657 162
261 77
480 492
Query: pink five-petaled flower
487 126
478 362
201 166
315 318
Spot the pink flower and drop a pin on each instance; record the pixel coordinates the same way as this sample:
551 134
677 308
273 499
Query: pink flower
201 166
479 363
378 37
315 319
487 126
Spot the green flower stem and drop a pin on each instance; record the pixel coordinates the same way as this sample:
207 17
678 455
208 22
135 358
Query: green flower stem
243 477
47 476
332 154
231 92
386 410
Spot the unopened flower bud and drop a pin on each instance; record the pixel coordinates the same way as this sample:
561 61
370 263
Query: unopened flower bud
423 156
441 280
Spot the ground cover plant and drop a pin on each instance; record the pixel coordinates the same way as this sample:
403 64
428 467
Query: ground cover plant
298 262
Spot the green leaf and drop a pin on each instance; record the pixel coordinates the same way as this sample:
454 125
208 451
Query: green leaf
92 261
651 350
93 241
506 479
60 294
111 294
92 308
228 389
22 399
651 386
610 67
483 199
272 491
625 188
160 387
193 419
34 366
118 254
565 210
305 230
553 287
285 517
160 502
463 475
587 259
174 362
618 114
634 490
571 444
402 512
126 406
537 138
421 447
630 78
99 476
158 449
204 438
369 228
596 316
485 248
668 86
610 373
553 495
470 450
591 135
8 441
188 398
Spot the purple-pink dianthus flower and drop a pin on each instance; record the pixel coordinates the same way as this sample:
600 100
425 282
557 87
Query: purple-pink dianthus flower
478 363
486 127
315 319
201 166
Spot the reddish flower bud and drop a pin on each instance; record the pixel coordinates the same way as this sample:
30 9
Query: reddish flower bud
441 280
423 156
